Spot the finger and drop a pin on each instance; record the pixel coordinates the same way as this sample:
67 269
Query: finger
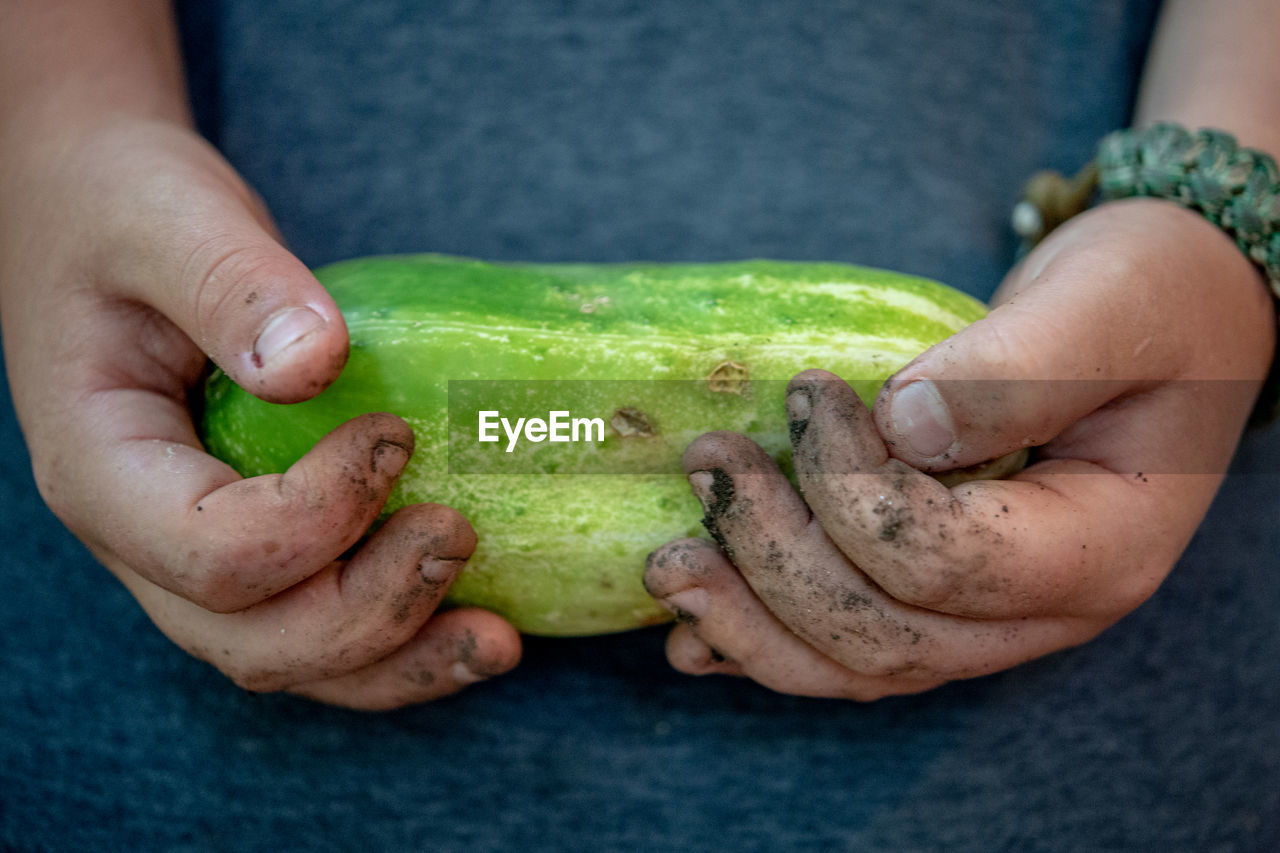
341 619
209 259
725 628
1076 331
455 649
191 525
817 592
1065 536
668 570
688 653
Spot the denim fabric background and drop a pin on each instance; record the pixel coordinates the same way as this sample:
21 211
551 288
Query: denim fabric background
888 133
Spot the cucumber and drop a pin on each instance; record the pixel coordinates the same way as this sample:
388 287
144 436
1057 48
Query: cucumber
645 356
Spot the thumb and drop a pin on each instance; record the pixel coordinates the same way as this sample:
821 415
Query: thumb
1101 310
1004 383
260 315
214 265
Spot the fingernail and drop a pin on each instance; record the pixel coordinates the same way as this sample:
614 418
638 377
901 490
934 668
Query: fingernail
282 331
701 482
714 489
462 674
798 405
688 604
435 570
389 458
920 416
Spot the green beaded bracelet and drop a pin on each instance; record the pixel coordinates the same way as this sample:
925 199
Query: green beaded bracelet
1237 189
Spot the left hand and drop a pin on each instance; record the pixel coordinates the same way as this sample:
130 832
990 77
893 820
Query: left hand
1129 347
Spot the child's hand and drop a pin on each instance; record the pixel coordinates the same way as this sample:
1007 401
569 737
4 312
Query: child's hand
132 251
1130 346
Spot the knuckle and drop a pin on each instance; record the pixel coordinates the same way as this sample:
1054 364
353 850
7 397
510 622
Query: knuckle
883 657
922 586
916 574
884 662
1129 589
867 693
338 484
305 488
255 678
1006 339
881 689
47 478
216 594
751 651
1025 404
222 270
216 584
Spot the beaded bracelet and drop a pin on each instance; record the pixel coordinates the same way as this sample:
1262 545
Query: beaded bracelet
1237 189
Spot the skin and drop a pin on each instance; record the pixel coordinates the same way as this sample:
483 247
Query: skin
138 252
1107 348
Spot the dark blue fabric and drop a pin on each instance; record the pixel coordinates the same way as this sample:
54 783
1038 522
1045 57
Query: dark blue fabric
890 134
885 133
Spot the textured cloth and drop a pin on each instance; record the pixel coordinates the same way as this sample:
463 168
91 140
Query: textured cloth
894 134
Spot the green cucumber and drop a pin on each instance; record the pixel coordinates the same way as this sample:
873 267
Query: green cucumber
657 353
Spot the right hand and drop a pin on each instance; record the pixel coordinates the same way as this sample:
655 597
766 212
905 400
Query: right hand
135 252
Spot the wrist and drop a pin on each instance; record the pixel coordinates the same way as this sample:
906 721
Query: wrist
1169 272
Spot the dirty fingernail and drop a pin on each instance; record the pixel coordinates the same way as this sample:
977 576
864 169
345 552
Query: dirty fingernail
702 482
389 458
688 604
435 570
920 416
462 674
798 405
282 331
